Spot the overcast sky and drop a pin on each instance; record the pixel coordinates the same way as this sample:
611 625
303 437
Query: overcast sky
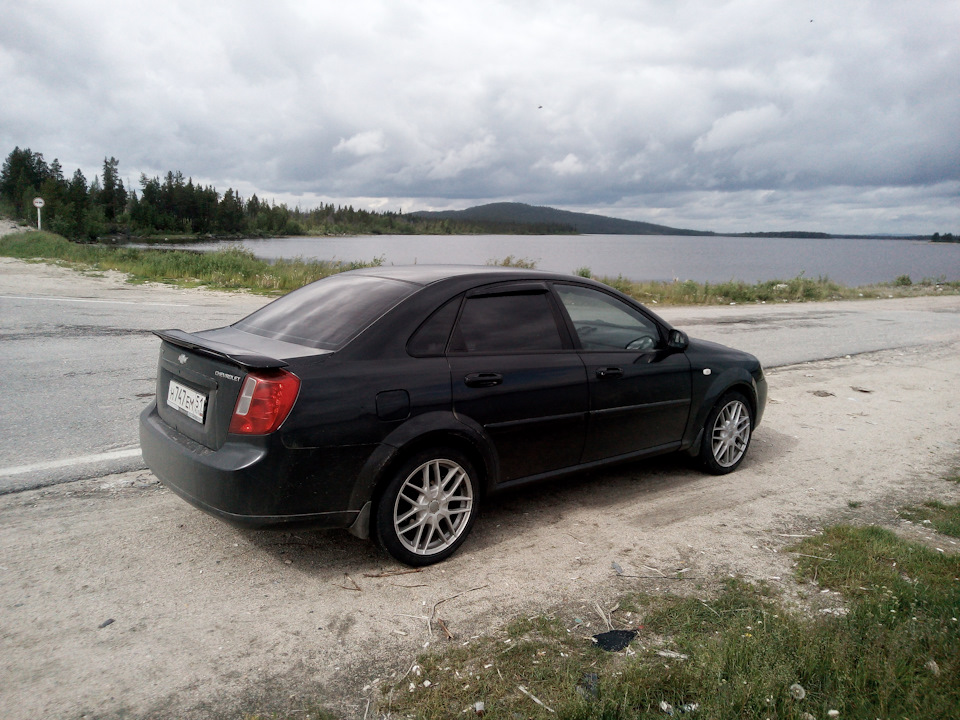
839 116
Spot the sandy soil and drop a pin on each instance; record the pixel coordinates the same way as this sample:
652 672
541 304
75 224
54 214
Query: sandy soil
9 226
117 599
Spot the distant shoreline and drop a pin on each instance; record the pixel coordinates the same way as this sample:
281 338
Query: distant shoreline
183 239
173 240
239 268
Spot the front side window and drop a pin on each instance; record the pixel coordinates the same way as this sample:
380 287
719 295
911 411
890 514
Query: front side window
507 323
603 322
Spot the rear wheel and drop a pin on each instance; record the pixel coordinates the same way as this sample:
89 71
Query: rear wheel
428 507
726 434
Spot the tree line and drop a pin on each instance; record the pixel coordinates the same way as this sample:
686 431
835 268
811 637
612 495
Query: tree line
175 205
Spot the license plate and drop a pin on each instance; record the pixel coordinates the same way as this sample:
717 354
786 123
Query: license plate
189 402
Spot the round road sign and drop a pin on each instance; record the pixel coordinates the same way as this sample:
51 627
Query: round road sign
38 202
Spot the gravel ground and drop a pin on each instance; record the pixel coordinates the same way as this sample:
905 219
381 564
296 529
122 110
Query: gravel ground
117 599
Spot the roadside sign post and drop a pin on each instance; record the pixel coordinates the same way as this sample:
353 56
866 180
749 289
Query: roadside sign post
38 203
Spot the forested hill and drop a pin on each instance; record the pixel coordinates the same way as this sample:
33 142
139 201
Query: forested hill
520 213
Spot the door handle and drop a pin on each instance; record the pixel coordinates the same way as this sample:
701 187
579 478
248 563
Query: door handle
483 379
609 373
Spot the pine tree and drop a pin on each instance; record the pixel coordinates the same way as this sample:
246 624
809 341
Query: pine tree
21 177
113 195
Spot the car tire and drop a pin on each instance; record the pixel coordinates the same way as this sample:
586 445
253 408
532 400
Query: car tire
726 434
427 508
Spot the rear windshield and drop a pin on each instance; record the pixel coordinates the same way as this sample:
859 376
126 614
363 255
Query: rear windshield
328 313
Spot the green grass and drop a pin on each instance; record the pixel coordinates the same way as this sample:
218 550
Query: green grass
240 269
894 653
904 603
513 261
798 289
945 519
308 712
232 269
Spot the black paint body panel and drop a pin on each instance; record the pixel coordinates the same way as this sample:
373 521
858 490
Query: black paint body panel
363 406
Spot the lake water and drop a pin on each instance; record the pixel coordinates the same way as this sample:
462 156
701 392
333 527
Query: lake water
642 257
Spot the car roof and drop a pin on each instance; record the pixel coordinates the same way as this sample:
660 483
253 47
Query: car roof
429 274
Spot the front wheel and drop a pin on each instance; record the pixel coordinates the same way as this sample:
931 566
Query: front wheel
428 507
726 434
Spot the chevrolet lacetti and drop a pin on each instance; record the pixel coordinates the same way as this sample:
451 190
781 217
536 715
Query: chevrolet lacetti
390 401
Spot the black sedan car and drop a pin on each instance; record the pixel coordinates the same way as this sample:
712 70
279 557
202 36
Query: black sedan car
390 401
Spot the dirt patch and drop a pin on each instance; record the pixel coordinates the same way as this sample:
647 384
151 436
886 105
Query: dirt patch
42 278
9 226
207 620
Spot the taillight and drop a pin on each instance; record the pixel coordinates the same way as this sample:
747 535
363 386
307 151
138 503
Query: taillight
264 403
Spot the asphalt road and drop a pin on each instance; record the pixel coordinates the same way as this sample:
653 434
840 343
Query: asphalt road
788 334
79 361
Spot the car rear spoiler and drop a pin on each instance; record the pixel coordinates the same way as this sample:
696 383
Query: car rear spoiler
221 351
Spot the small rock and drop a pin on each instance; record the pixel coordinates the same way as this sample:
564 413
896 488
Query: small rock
105 623
672 655
933 667
839 612
833 713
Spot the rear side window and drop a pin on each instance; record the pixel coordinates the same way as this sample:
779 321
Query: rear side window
430 339
327 313
507 323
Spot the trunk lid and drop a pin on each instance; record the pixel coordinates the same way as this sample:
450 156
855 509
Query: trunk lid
199 378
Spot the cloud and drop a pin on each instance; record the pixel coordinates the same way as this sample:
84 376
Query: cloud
370 142
570 165
611 106
473 155
744 127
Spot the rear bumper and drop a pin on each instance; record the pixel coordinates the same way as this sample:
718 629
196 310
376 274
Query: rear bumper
254 483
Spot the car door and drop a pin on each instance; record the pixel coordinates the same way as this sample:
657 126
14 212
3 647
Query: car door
515 373
639 389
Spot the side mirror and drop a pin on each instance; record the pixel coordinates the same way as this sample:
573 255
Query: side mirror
677 339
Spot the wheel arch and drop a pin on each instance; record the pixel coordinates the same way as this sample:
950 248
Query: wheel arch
733 380
749 391
438 429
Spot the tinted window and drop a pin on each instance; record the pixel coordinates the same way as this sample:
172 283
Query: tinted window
507 323
430 340
327 313
603 322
